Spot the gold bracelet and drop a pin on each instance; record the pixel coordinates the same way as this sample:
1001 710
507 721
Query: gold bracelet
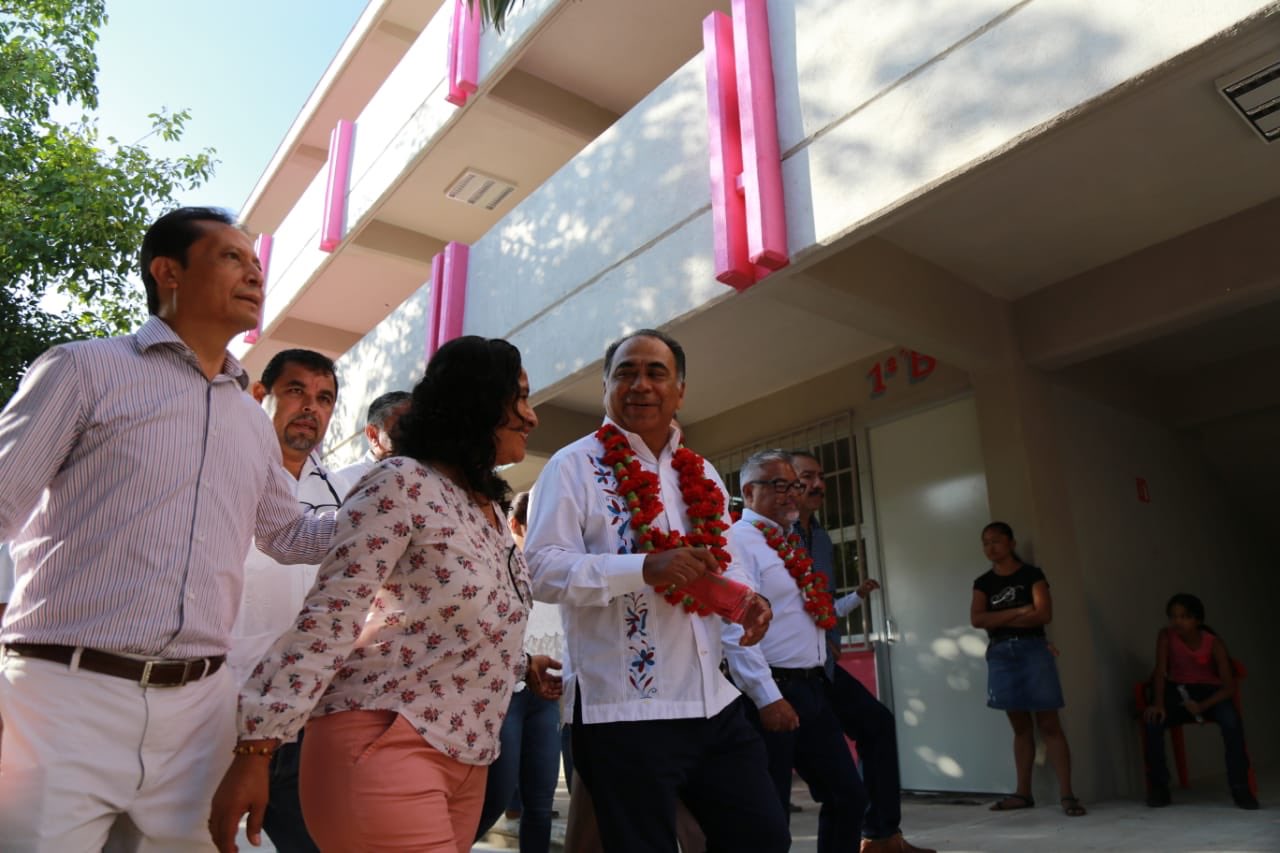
250 749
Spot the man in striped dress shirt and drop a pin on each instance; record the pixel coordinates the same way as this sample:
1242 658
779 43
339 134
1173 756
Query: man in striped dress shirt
134 473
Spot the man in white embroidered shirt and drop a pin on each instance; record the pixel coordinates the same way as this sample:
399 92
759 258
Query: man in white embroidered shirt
784 674
134 473
298 389
653 719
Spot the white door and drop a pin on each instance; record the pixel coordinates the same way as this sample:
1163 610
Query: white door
929 493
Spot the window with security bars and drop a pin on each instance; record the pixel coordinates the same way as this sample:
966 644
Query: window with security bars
832 442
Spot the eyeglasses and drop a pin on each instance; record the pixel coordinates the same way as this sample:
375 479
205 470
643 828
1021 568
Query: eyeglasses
780 486
518 583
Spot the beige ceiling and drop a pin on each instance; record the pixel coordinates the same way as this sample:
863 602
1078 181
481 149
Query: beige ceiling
1167 156
746 347
614 52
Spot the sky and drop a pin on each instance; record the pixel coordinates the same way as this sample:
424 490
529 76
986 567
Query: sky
244 68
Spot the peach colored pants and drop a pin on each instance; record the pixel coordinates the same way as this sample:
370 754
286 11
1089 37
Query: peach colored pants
369 782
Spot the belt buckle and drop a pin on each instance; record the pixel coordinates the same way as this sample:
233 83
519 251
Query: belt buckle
145 681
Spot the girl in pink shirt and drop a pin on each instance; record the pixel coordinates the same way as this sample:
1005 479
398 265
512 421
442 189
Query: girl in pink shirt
1193 682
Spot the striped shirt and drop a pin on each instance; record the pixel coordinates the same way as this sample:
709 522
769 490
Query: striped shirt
131 487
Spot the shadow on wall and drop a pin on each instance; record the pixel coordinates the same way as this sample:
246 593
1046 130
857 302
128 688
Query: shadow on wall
390 357
962 95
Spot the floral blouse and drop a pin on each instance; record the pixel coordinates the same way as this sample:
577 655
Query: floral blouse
420 607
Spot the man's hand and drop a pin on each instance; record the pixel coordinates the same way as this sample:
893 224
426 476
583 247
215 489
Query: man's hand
756 621
243 789
1154 714
779 717
677 567
867 587
1195 709
542 682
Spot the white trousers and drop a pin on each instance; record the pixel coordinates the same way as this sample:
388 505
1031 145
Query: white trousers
92 762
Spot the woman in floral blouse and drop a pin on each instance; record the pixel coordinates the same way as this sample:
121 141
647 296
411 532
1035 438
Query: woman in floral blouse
403 658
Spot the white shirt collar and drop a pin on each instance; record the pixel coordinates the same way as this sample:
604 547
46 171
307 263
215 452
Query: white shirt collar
674 437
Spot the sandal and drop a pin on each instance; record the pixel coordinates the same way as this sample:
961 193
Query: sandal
1012 803
1072 807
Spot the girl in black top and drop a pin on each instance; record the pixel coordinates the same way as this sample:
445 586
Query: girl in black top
1011 602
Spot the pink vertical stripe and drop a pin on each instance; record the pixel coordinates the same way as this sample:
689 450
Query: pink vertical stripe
761 156
262 248
433 309
455 94
464 52
333 227
469 50
728 212
453 301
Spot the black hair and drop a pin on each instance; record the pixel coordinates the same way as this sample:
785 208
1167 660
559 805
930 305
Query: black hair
382 406
672 344
1004 529
169 237
307 358
520 509
807 454
1191 603
468 391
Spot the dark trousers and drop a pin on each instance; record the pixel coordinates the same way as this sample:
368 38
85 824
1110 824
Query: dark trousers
870 725
637 770
819 754
529 762
283 820
1223 713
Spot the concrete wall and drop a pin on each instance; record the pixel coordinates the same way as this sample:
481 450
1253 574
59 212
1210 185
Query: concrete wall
1134 555
389 358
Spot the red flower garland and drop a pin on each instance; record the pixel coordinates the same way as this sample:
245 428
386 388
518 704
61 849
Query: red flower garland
703 501
813 586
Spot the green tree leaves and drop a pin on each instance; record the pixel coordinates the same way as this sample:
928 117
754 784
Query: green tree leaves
73 207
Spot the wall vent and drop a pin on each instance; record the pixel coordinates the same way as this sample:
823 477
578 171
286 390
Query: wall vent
476 189
1254 91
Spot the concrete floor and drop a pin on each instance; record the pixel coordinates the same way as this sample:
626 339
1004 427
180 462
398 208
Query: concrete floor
1201 820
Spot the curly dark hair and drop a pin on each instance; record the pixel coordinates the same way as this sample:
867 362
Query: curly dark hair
469 390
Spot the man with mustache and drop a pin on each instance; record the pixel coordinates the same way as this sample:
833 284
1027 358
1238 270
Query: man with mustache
864 720
783 675
134 474
298 390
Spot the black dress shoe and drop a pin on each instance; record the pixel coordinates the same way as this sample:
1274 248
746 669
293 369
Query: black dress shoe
1244 799
1158 796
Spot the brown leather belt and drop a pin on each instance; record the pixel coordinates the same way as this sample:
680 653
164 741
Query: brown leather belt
148 673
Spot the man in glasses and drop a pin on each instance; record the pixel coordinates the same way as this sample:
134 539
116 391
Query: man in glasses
783 675
134 473
298 390
864 720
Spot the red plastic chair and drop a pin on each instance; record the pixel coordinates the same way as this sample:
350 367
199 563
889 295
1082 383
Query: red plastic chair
1176 734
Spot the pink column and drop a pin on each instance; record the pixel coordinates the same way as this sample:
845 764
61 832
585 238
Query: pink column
747 200
333 227
453 301
761 157
433 310
728 212
262 248
464 52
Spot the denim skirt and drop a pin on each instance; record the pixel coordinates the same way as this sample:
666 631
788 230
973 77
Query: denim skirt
1022 676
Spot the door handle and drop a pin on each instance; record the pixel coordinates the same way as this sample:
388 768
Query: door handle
890 630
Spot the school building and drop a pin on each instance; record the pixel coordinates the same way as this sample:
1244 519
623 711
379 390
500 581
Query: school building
992 259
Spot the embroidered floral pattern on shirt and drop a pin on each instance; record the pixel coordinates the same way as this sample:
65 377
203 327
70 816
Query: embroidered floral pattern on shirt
640 648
